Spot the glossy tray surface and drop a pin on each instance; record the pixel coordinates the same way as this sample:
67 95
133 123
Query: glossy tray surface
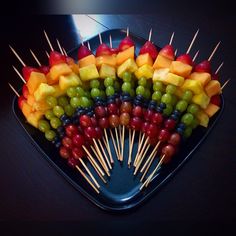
122 190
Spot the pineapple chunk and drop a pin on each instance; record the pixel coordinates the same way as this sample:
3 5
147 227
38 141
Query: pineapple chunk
41 106
174 79
58 92
160 74
88 72
106 59
43 91
34 118
128 65
30 99
203 118
144 71
71 80
211 109
124 55
201 99
86 61
35 79
213 88
26 109
107 71
162 62
179 68
57 70
202 77
193 85
144 59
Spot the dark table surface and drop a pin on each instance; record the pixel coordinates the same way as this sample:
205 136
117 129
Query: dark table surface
202 193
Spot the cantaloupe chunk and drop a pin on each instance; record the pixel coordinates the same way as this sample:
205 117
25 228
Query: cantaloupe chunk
213 88
41 106
193 85
43 91
144 59
86 61
31 99
202 77
129 65
201 99
179 68
211 109
106 59
26 109
74 67
160 74
162 62
35 79
125 55
34 118
71 80
145 71
88 72
57 70
107 71
203 118
174 79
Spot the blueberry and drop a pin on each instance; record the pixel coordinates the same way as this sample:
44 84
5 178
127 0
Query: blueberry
66 122
162 105
63 117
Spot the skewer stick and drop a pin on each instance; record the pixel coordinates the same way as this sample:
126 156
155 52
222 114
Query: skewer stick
141 151
18 57
60 48
213 52
110 41
129 158
49 43
131 148
17 94
139 147
127 32
171 38
100 38
191 44
149 161
89 45
35 58
104 153
47 54
65 53
226 82
118 142
89 172
176 50
88 180
108 146
219 67
114 144
19 74
150 35
196 55
122 142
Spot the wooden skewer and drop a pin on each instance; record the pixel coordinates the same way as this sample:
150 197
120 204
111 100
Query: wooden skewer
49 43
142 150
108 146
122 142
114 144
118 142
19 74
60 48
191 44
176 50
131 148
100 38
171 38
65 53
47 54
17 94
110 41
196 55
35 58
139 147
105 155
89 45
219 67
213 52
89 172
129 158
81 39
87 179
226 82
18 57
127 32
150 35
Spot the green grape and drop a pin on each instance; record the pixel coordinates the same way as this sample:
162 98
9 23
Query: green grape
194 124
62 101
94 83
156 96
187 95
108 82
166 98
174 100
170 88
55 122
116 85
187 132
168 110
181 105
87 94
69 110
140 90
71 92
126 87
158 86
84 101
110 91
147 93
142 81
132 92
187 119
44 125
79 92
102 94
127 76
75 102
193 109
49 114
149 84
50 135
95 92
51 101
58 111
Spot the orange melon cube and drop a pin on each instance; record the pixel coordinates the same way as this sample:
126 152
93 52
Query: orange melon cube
179 68
202 77
213 88
30 99
211 109
124 55
26 109
35 79
75 68
86 61
144 59
41 106
106 59
57 70
162 62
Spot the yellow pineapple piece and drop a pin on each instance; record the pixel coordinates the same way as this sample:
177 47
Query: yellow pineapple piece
179 68
88 72
31 99
211 109
86 61
162 62
160 74
41 106
144 71
129 65
107 71
34 118
144 59
202 77
58 91
57 70
106 59
201 99
125 55
193 85
43 91
203 118
174 79
35 79
71 80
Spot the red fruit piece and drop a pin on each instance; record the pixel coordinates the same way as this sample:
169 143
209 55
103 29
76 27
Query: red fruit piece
94 121
71 130
90 133
64 152
56 58
168 151
44 69
203 66
124 118
103 122
70 60
20 101
148 115
26 71
137 111
127 42
164 135
216 100
78 140
102 50
25 91
77 153
72 162
152 131
126 107
112 108
149 48
85 121
136 123
100 111
174 139
168 52
157 118
83 51
170 124
214 76
185 58
114 51
145 126
67 142
114 120
98 132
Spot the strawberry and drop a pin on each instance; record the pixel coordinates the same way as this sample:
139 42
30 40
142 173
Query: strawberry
149 48
102 50
44 69
127 42
216 100
25 91
26 71
21 100
214 76
168 52
203 66
114 50
83 51
185 58
56 58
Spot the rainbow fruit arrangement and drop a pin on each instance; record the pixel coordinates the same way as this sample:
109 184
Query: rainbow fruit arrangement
80 104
